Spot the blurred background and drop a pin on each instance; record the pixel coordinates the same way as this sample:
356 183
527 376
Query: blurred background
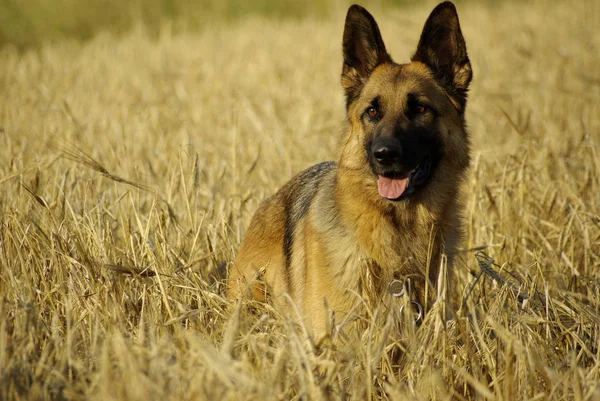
26 23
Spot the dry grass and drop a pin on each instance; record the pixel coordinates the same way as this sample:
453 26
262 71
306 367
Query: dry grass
130 167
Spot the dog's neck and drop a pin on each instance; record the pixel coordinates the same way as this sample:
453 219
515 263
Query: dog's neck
381 234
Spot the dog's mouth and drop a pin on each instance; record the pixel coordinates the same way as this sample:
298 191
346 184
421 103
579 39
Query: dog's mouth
398 187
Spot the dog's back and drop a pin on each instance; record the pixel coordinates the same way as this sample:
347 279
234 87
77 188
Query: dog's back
271 245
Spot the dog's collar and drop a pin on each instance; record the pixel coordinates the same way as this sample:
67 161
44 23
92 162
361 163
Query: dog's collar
398 288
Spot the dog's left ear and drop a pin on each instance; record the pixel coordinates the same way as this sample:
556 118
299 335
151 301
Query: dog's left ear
442 48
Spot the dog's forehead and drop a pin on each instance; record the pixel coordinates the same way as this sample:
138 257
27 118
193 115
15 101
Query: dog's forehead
393 83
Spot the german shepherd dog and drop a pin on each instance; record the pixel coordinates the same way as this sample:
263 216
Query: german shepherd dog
381 221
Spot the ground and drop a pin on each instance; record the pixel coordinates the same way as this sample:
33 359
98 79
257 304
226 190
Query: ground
131 163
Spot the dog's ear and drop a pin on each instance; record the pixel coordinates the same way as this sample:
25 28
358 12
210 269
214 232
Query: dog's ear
363 50
442 48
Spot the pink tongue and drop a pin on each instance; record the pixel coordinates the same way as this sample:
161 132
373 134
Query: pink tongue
391 188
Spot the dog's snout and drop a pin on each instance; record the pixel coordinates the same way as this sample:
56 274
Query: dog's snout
387 152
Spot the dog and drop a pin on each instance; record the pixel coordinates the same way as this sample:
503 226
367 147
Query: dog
377 224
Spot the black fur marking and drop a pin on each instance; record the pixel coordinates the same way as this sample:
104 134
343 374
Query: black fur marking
288 243
299 197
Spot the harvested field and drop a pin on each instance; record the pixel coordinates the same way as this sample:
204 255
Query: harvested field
132 161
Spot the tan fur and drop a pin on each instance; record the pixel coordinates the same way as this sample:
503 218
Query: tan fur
349 243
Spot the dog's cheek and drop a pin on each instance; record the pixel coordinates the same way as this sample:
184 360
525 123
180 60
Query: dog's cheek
360 132
352 153
444 132
453 142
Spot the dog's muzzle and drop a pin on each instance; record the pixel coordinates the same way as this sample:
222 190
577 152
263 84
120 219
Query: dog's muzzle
396 181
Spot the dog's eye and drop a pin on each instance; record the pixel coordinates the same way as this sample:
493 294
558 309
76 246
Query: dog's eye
372 112
421 109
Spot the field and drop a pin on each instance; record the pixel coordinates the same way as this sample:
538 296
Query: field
132 161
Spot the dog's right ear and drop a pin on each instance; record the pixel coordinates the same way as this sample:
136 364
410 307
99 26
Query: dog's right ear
363 51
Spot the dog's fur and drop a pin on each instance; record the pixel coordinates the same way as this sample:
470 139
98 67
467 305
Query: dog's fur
331 238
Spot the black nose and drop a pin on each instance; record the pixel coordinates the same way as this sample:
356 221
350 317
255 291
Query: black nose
387 151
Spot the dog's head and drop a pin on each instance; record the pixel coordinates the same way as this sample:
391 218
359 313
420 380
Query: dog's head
407 120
